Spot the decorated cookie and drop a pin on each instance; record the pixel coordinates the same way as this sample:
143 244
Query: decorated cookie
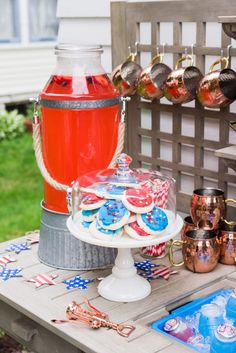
104 234
136 232
91 202
153 222
83 225
88 215
113 191
113 215
132 217
86 225
138 200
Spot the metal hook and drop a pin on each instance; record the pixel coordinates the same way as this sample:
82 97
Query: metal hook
192 52
192 49
163 48
35 101
131 54
136 48
228 50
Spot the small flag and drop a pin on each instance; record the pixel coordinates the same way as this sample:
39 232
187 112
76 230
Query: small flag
9 273
164 272
41 280
18 247
145 265
6 260
77 282
33 238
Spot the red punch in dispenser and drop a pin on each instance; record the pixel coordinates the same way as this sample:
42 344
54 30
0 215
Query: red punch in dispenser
79 130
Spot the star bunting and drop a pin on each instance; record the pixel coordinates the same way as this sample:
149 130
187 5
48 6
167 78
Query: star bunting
77 282
164 272
145 265
41 280
8 273
5 260
18 247
33 238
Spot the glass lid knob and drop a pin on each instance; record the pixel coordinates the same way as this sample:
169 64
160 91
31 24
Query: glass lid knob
123 172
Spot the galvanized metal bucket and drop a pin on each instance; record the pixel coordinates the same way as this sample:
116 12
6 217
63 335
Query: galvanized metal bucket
59 248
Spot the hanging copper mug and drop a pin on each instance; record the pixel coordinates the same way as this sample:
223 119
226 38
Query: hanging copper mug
181 84
153 78
125 76
207 207
218 88
200 250
227 241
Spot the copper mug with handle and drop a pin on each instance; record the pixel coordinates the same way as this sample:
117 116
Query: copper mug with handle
125 76
227 239
153 78
218 88
208 207
200 250
181 84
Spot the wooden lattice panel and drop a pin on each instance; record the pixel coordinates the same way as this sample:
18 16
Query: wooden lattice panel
178 140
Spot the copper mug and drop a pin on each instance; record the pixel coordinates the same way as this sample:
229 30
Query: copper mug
125 76
200 250
188 225
207 207
227 241
181 84
153 78
218 88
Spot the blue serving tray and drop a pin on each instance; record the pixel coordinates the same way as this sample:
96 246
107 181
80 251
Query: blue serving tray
187 309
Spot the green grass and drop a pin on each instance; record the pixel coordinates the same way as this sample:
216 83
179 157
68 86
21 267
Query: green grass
21 188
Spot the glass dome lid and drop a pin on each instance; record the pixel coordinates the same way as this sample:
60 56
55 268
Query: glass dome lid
117 201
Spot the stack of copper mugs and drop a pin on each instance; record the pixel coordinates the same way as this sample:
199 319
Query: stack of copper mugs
207 237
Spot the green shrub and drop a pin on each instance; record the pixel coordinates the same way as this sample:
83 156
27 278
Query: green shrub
11 124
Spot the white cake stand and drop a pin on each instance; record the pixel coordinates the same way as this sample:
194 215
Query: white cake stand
124 284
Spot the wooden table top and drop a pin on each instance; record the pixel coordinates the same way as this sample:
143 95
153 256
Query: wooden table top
49 302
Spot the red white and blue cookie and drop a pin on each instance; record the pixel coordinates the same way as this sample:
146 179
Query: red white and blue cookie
138 200
132 217
83 225
91 202
112 191
113 215
88 215
153 222
136 232
105 234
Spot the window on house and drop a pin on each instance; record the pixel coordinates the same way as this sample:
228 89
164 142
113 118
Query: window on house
42 19
9 25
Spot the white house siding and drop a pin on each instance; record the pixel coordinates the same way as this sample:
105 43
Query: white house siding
25 67
86 22
24 71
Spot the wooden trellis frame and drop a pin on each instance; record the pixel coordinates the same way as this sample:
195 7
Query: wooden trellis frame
126 19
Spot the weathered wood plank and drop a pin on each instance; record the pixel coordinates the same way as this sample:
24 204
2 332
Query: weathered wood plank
207 12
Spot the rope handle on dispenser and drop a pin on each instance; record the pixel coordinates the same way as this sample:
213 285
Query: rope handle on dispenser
38 147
